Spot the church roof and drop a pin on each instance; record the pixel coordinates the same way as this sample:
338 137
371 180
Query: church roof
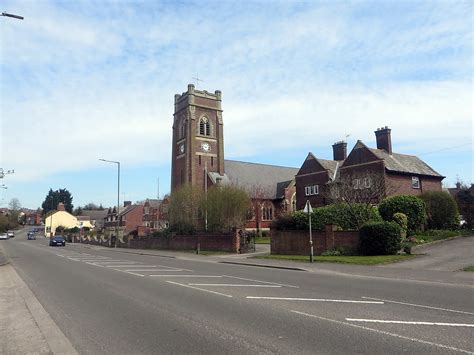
267 181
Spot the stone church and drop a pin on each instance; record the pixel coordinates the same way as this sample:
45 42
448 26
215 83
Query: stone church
198 159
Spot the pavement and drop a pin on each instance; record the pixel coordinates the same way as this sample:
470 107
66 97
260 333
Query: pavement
25 326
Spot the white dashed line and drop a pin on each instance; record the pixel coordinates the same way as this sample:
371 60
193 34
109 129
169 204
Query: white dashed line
263 282
384 333
311 300
420 305
409 322
234 285
200 289
206 276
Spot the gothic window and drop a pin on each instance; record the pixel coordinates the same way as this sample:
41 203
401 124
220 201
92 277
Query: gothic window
204 127
183 130
267 212
293 203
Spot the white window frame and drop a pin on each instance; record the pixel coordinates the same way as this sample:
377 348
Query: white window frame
367 183
311 190
415 182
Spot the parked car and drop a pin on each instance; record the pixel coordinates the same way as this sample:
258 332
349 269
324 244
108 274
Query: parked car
57 241
31 236
4 236
11 234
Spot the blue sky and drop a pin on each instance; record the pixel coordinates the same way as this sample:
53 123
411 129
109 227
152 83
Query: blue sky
83 80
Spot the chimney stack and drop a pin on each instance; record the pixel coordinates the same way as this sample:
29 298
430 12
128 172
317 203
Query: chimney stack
339 150
384 139
61 207
127 203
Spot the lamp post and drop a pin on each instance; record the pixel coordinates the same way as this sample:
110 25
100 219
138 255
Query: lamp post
118 196
51 220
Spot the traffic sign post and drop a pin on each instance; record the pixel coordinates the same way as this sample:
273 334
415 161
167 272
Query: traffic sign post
308 209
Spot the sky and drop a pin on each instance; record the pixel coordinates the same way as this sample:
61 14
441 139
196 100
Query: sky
84 80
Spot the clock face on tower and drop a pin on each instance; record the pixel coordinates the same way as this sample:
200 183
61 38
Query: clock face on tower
181 148
206 147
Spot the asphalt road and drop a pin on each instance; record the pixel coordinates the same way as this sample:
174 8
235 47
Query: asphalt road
109 302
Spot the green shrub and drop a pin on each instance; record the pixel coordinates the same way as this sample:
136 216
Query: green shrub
339 251
402 220
441 210
412 206
380 238
165 233
347 217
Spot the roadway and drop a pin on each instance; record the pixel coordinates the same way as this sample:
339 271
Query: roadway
110 302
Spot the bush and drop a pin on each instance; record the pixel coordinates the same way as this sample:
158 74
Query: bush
165 233
347 217
402 220
441 210
412 206
339 251
380 238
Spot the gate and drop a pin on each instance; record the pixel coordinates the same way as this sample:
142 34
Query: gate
247 242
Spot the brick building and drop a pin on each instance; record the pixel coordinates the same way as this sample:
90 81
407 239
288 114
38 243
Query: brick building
198 158
364 169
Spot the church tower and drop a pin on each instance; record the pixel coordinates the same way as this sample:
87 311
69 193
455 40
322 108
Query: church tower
198 140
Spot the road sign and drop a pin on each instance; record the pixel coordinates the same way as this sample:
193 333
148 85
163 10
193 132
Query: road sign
307 207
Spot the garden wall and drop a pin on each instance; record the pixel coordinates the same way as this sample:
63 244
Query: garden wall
291 242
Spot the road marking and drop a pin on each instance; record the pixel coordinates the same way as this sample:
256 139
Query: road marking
95 264
125 265
409 322
115 262
234 285
148 270
312 299
419 305
184 276
384 332
128 272
264 282
197 288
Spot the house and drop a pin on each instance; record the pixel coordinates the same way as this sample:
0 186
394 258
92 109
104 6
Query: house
367 173
96 217
128 218
62 218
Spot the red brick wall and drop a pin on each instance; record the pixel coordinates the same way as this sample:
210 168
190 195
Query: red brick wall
297 242
401 184
319 178
133 219
211 242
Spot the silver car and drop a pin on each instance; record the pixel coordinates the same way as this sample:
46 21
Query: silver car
4 236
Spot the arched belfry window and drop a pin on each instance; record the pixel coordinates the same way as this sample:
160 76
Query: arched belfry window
183 129
204 127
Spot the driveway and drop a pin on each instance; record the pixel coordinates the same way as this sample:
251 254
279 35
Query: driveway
449 255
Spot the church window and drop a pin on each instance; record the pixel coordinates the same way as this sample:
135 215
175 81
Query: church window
267 212
183 129
212 161
204 127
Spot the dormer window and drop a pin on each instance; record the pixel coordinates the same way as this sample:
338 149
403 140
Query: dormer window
415 182
204 127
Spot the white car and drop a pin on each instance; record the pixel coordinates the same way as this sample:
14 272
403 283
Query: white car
11 234
4 236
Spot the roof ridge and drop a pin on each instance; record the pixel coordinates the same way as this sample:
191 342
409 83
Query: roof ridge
249 162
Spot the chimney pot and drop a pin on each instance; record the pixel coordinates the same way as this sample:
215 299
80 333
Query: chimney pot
339 150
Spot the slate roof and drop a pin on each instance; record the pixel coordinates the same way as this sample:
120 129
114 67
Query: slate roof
269 179
95 214
330 165
403 163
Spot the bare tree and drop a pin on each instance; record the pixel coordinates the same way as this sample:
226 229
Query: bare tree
258 196
14 204
360 192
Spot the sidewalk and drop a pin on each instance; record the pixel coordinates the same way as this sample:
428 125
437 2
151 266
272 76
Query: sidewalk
25 327
382 272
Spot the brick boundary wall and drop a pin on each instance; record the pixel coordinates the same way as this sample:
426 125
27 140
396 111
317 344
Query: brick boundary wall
293 242
211 242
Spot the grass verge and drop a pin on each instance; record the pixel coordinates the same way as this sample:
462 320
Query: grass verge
262 240
469 268
436 234
358 260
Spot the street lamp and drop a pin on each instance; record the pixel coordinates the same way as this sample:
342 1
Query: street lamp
11 15
118 196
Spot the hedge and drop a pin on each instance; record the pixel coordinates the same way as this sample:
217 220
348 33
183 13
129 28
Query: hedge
347 217
413 207
441 210
380 238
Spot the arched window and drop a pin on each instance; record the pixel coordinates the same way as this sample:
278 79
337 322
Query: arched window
293 203
267 212
204 127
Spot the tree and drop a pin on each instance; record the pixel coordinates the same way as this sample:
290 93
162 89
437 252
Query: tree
258 195
53 198
185 209
78 211
441 210
227 208
413 207
465 200
14 204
